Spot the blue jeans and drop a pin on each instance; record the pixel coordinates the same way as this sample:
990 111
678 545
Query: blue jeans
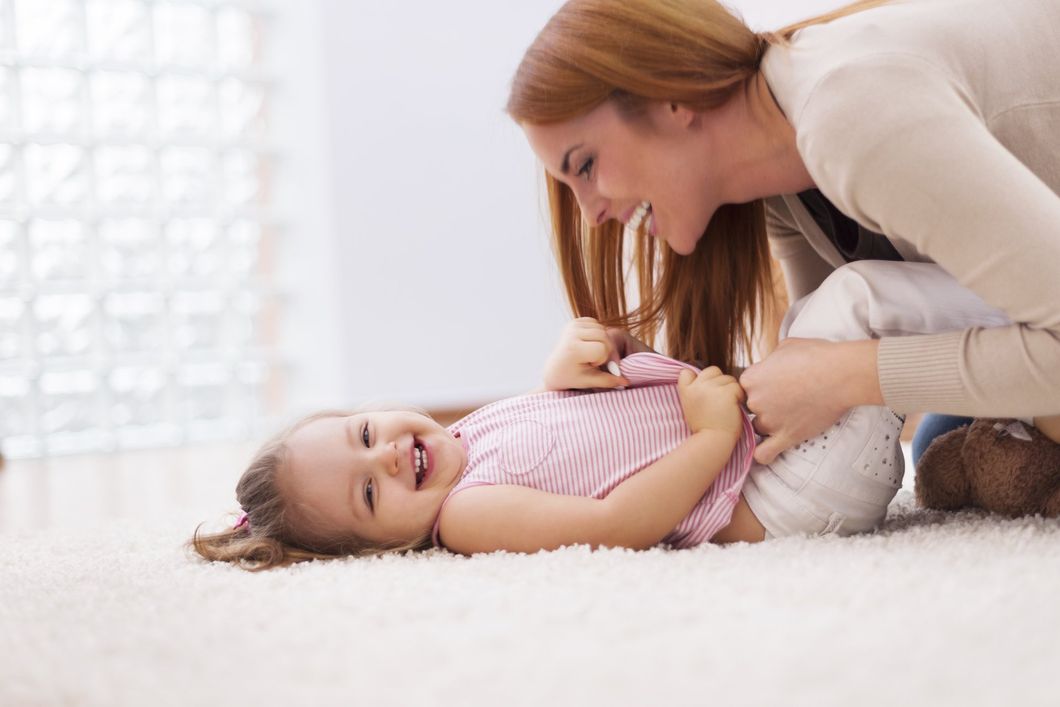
930 427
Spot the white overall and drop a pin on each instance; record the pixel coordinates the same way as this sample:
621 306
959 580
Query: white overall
842 480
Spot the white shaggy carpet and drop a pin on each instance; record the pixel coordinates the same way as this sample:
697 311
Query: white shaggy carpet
934 610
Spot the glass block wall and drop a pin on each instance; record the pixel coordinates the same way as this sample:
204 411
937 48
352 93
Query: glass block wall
136 306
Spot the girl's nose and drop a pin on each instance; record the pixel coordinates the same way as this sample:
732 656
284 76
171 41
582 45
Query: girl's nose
388 457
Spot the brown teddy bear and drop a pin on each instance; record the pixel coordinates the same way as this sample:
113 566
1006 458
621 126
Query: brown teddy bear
1003 466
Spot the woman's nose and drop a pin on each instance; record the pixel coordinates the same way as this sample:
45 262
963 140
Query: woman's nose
593 206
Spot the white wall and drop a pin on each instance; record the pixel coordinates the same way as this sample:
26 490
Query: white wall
444 292
307 264
763 15
416 258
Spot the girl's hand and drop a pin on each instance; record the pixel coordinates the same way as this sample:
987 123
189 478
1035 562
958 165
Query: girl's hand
711 401
805 385
585 346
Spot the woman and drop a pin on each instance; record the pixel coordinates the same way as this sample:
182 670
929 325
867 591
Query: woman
918 130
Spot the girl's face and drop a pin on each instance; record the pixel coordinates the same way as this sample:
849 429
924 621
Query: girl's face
614 164
380 476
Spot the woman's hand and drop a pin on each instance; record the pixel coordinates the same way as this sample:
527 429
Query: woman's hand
711 401
584 347
804 386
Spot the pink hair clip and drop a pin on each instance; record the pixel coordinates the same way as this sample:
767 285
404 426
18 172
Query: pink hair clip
244 519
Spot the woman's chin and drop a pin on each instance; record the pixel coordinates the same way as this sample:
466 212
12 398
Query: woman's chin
682 247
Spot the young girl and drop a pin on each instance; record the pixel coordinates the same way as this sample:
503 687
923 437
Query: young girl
631 467
657 454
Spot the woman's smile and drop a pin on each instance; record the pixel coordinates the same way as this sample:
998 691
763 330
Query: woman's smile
637 217
628 160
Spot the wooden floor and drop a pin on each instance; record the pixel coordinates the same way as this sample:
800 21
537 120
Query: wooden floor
194 484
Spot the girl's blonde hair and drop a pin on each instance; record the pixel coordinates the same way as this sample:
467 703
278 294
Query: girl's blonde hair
274 536
715 301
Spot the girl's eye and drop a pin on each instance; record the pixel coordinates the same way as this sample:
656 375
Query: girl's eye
369 495
587 168
364 435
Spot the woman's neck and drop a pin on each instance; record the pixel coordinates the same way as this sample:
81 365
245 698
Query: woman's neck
758 144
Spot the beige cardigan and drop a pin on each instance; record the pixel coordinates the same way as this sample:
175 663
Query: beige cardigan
937 123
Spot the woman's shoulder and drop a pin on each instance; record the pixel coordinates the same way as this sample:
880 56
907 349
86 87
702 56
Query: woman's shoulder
900 48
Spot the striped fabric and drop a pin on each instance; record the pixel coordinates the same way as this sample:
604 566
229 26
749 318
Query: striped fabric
584 443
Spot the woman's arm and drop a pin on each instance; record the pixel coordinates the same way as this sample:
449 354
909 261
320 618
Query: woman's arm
803 267
925 170
638 513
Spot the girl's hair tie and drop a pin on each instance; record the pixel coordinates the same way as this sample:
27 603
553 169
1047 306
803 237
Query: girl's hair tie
244 519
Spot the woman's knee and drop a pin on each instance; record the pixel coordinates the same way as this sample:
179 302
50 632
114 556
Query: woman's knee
837 309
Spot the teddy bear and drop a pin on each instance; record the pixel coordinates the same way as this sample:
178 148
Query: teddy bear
999 465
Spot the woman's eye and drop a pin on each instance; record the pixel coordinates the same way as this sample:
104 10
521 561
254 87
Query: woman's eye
587 168
364 435
369 495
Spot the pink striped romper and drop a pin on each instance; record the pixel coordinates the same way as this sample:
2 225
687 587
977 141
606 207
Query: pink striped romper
585 443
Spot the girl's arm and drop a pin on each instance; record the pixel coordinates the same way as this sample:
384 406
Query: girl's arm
638 513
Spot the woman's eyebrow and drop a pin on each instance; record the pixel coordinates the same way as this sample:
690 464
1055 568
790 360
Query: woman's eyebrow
565 166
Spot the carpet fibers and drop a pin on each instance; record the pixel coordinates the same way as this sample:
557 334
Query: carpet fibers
935 609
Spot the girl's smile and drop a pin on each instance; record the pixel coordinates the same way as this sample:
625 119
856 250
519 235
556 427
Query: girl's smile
379 476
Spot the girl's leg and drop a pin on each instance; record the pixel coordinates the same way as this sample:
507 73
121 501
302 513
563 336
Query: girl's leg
870 299
843 480
931 426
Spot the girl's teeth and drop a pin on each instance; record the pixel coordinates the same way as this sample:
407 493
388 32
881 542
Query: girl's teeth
421 464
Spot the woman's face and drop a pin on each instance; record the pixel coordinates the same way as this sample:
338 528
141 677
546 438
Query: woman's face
614 164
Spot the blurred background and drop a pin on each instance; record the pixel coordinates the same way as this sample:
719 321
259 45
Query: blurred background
218 216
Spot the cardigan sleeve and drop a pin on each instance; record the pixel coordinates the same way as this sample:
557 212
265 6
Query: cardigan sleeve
803 267
900 146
